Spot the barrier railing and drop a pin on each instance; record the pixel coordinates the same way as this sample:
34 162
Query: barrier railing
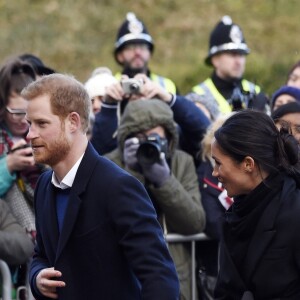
6 280
7 285
178 238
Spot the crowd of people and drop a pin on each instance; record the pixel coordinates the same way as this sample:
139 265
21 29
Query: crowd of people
95 174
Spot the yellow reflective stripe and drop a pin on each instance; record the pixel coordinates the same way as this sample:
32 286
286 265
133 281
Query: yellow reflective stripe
246 86
198 90
223 104
118 76
166 83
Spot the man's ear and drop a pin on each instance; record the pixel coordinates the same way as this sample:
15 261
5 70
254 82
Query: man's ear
248 164
119 57
74 121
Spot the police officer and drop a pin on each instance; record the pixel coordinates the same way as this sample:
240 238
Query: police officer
227 55
133 49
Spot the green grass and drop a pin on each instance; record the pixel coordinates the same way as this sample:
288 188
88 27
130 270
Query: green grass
77 36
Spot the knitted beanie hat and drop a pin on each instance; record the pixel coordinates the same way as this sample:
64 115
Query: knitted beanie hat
101 78
289 90
211 106
289 108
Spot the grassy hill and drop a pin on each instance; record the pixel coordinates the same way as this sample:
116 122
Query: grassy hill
77 36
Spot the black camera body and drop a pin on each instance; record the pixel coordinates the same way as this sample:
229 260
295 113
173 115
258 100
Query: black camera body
150 149
241 99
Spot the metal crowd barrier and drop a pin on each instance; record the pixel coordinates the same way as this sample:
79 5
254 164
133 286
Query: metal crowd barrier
6 280
7 284
178 238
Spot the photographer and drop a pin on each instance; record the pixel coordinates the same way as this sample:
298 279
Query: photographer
17 168
133 50
147 139
192 122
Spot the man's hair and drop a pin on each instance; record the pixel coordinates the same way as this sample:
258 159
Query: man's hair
66 95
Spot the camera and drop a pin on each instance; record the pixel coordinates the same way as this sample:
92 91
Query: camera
18 148
241 99
131 86
150 149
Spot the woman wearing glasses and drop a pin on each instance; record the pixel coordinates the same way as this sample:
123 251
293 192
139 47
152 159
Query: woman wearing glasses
17 169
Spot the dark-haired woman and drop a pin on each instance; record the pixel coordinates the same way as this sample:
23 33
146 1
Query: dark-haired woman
260 250
17 169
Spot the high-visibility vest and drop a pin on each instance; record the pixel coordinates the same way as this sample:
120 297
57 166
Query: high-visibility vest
210 91
166 83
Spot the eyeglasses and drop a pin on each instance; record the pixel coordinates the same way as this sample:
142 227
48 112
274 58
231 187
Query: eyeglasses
136 46
17 114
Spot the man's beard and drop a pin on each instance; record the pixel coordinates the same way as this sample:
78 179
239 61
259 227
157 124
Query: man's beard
55 152
131 72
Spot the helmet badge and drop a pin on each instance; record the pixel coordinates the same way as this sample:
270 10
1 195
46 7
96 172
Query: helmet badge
134 25
236 34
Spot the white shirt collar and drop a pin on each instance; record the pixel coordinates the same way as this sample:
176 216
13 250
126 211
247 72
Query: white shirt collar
68 180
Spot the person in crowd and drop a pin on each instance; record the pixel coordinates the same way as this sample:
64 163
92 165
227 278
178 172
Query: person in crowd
215 202
294 76
209 108
257 164
226 86
101 78
147 139
39 67
284 95
288 116
97 232
133 49
18 171
96 86
192 122
16 247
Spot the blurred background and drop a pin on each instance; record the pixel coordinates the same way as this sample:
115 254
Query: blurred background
76 36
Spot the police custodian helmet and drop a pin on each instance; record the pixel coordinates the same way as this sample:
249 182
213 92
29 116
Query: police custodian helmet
132 31
226 37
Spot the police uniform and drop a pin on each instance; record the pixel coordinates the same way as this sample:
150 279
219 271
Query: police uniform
238 93
134 31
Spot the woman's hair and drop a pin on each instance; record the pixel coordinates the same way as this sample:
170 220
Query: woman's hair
209 135
252 133
14 76
295 66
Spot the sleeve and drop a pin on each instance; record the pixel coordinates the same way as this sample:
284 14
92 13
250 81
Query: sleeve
214 210
6 179
39 260
141 237
179 197
104 130
192 124
16 246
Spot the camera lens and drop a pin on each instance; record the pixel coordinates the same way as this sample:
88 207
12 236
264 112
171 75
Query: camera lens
134 87
148 153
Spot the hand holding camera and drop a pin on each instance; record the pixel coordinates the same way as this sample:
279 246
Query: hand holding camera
157 173
129 154
19 157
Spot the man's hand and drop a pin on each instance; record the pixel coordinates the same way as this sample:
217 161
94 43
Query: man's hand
151 89
157 173
47 285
